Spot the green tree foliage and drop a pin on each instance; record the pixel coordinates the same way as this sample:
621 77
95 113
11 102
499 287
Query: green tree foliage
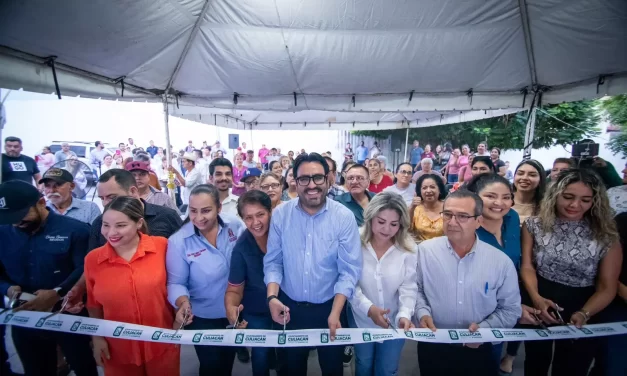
508 132
616 108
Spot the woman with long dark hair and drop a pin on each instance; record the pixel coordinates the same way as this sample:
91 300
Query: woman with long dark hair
198 264
529 186
126 281
571 259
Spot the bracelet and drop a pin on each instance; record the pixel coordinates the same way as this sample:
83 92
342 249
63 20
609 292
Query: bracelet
585 315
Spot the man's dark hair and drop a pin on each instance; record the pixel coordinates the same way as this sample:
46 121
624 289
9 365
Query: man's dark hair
332 162
464 193
13 139
567 161
310 157
250 152
122 143
358 166
198 153
251 198
219 162
438 181
97 143
124 178
274 149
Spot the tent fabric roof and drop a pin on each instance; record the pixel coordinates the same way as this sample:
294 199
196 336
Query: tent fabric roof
287 56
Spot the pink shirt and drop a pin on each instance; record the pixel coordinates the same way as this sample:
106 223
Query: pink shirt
453 165
463 161
262 155
238 174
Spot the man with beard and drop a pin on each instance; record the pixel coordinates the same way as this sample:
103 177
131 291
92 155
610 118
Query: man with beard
221 176
41 253
358 197
16 166
58 187
314 259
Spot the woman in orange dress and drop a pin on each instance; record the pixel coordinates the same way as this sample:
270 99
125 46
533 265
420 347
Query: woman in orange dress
126 281
426 220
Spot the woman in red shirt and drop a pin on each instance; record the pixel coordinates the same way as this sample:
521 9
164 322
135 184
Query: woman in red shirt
126 281
378 180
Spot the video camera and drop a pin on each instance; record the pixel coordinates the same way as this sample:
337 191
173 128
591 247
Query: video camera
584 152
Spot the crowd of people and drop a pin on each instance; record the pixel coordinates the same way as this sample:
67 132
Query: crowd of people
265 241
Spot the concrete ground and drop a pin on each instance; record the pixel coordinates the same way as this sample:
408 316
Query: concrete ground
189 362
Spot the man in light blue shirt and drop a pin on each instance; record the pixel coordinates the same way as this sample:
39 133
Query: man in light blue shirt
416 154
362 153
58 186
314 257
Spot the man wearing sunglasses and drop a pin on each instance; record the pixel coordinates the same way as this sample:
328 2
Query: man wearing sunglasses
314 258
463 283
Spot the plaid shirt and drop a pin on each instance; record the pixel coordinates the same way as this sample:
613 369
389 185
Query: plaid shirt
335 190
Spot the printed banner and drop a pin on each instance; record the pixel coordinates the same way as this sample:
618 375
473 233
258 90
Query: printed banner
293 338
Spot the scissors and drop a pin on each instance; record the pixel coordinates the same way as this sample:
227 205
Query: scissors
561 320
390 323
541 323
57 312
186 315
237 322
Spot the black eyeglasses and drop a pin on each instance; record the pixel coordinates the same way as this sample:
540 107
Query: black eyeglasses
266 187
404 172
318 179
461 217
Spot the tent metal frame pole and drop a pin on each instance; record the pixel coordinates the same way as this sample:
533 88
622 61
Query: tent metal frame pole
530 129
406 142
188 45
168 149
531 60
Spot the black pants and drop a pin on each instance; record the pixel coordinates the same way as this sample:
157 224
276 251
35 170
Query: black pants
37 350
440 359
571 357
5 368
214 360
310 316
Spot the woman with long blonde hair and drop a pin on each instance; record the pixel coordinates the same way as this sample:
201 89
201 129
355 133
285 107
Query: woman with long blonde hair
386 292
571 260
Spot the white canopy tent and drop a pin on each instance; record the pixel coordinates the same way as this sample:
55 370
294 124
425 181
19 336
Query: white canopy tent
316 64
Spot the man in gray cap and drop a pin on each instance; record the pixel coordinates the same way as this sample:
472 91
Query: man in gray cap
41 253
58 187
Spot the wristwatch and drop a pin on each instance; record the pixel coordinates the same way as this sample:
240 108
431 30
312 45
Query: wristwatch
59 291
271 297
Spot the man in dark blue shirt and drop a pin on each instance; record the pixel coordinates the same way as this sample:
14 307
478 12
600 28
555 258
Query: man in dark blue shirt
41 253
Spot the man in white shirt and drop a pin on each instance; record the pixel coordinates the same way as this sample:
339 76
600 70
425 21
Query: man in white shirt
97 156
193 176
273 156
465 284
221 175
249 162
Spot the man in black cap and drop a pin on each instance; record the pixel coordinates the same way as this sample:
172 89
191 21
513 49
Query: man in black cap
58 187
41 253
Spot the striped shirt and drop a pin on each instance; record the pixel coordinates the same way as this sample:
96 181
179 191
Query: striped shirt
313 257
480 288
82 210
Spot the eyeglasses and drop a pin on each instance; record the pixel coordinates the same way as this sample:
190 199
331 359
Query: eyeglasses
251 182
404 172
318 179
356 178
267 187
461 217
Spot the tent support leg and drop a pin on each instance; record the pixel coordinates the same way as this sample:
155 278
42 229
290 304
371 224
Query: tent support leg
529 131
166 120
406 141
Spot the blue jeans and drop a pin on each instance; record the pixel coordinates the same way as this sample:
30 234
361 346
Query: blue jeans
377 358
214 360
452 178
260 356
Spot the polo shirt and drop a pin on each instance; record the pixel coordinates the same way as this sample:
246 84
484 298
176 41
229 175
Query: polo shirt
347 200
247 269
21 168
510 235
81 210
229 205
52 257
161 221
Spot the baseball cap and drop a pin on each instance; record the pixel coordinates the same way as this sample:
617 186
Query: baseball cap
59 175
138 165
16 198
251 172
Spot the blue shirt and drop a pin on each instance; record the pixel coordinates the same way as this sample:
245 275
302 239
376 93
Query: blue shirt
510 236
347 200
247 268
152 150
199 270
362 153
313 257
416 155
52 257
81 210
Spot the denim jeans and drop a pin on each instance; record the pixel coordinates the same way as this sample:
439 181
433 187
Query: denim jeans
452 178
377 358
260 356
